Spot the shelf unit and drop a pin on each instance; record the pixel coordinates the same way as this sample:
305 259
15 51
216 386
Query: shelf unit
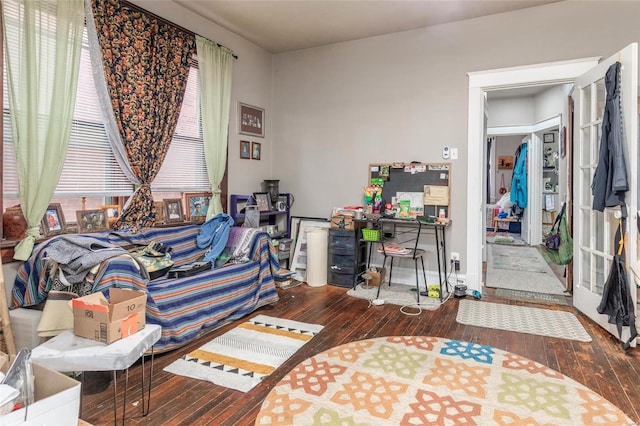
278 218
550 178
346 257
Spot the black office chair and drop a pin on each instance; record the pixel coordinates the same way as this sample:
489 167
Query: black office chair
399 239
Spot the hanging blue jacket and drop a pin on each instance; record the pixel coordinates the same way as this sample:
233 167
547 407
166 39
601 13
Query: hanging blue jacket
519 180
214 234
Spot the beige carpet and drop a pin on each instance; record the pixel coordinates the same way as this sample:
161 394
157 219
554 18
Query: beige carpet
520 268
420 380
242 357
522 319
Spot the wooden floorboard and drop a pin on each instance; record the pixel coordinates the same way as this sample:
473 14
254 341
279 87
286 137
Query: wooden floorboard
601 365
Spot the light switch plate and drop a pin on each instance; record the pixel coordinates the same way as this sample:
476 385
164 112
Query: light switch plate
454 153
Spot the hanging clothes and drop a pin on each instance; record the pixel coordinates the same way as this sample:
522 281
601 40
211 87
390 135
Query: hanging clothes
610 179
214 234
519 180
616 301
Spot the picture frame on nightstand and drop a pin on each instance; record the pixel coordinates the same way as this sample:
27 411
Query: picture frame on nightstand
173 210
53 220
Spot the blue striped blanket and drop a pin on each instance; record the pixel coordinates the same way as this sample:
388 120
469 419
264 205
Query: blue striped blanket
184 307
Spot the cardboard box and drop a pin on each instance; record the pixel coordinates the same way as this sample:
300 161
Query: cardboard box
56 397
342 221
107 321
377 276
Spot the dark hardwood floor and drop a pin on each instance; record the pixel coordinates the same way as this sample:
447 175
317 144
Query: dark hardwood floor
602 365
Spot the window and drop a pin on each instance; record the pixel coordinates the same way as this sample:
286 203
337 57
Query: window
184 168
90 169
91 175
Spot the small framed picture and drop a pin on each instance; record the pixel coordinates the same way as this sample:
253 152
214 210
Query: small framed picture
256 150
505 162
113 212
250 120
245 150
549 137
53 220
173 210
159 206
197 204
263 201
92 220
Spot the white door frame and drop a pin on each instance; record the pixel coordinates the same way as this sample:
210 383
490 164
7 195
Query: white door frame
479 83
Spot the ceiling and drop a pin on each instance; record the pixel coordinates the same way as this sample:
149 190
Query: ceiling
283 26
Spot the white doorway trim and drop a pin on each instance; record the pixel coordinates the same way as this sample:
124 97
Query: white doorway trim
531 230
479 83
524 130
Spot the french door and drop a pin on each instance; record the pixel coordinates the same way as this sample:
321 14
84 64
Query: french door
594 231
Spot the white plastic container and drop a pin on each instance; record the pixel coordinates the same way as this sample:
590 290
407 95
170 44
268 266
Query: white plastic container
317 247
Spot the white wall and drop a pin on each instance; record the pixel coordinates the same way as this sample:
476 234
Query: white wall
402 97
505 145
518 111
251 85
550 103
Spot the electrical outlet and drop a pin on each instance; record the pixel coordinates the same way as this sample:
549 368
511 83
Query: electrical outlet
455 256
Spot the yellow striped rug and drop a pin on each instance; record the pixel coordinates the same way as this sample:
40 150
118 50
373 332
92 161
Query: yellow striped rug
245 355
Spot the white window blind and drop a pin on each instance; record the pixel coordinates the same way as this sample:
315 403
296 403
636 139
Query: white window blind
90 169
184 167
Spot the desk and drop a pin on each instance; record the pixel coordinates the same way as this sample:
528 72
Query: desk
438 231
68 352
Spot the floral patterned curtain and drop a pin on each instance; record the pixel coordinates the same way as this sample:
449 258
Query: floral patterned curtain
146 65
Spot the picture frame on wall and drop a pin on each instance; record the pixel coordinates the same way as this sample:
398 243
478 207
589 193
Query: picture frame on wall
173 210
256 150
197 204
92 220
549 137
505 162
250 120
53 220
245 150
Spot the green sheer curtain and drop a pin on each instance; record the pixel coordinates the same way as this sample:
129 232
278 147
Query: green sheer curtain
216 71
42 78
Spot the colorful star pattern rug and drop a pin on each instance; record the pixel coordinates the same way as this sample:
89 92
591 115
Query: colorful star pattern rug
416 380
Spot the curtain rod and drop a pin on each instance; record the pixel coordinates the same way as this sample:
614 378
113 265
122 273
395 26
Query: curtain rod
166 21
